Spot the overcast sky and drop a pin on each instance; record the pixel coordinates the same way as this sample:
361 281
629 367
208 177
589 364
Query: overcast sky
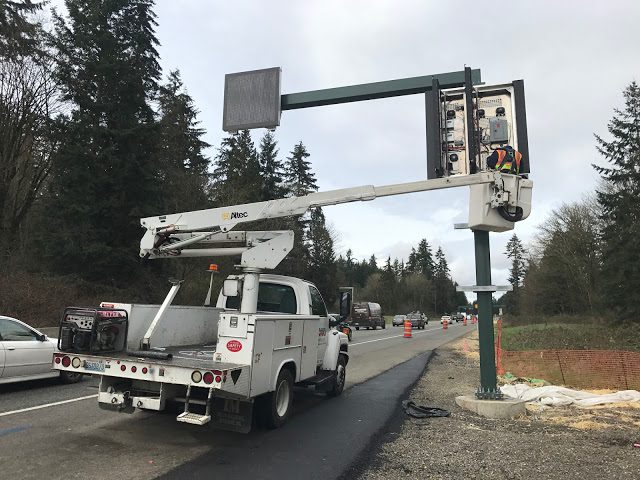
575 58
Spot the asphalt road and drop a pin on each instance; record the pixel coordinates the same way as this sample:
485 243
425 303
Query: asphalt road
48 430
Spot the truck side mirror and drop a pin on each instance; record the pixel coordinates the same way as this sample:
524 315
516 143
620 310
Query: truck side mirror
231 287
345 305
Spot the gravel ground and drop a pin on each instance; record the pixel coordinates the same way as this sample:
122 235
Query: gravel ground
541 445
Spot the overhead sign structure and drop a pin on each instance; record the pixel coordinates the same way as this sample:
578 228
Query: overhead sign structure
465 122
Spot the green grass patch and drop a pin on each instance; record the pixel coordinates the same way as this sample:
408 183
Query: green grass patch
571 336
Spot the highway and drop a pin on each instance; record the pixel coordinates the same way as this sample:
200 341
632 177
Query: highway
49 430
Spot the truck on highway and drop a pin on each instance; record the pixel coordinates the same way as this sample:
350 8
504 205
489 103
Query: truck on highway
265 334
217 362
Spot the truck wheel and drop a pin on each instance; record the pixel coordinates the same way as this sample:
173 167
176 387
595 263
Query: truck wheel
70 377
276 406
339 378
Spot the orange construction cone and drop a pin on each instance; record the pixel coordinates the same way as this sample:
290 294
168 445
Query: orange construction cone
445 324
464 321
407 329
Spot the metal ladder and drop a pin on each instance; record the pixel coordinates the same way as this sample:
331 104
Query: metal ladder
195 418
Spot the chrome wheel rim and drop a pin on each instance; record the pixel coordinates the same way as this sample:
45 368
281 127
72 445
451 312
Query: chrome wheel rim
340 376
282 398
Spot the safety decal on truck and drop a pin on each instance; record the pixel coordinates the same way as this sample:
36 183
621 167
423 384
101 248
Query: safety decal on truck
234 346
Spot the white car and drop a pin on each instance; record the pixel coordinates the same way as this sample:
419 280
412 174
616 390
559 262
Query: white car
445 317
27 354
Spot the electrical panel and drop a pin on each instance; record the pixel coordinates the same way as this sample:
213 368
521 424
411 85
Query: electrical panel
472 125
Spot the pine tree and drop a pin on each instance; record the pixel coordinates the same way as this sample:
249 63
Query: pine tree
18 33
412 263
516 253
105 176
181 148
322 266
236 176
424 260
271 169
441 281
621 208
299 179
373 263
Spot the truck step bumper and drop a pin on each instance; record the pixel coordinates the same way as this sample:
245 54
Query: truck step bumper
193 418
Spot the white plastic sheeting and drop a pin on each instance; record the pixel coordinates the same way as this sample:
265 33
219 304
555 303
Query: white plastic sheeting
557 396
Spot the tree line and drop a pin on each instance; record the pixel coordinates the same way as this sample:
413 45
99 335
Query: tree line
94 136
584 259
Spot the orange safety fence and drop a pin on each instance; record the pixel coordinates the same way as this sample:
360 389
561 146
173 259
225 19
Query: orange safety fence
614 369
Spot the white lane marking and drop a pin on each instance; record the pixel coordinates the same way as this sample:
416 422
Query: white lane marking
38 407
395 336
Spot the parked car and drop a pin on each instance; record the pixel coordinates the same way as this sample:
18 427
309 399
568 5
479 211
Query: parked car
27 354
398 320
445 317
417 320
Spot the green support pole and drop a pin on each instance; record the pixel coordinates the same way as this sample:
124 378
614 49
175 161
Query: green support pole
488 385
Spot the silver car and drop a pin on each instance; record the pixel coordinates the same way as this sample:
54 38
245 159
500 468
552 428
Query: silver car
27 354
398 320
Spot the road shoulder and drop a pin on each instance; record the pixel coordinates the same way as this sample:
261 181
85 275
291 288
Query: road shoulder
465 445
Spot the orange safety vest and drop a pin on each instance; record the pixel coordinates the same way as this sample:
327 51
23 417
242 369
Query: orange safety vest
506 160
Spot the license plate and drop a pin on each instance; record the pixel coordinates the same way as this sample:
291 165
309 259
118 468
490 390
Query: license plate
97 366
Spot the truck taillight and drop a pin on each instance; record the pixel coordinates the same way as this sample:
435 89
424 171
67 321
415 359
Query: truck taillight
57 360
208 378
123 368
145 369
66 361
134 369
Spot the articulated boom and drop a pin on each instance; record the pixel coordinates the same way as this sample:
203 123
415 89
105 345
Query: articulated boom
167 235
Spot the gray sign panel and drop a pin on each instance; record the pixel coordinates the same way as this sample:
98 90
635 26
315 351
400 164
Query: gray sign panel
251 100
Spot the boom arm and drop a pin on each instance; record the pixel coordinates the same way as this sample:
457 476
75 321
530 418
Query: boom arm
167 235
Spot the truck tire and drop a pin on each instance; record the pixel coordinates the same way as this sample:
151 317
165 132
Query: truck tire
339 378
275 407
70 377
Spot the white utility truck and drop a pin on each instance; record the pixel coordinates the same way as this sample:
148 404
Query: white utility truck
266 332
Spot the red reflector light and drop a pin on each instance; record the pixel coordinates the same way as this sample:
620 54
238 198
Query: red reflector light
208 377
66 361
144 370
134 369
218 378
216 372
123 367
57 360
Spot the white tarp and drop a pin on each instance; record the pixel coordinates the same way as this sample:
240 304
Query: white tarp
557 396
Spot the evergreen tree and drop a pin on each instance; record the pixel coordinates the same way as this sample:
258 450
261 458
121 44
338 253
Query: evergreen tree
621 207
412 262
322 266
516 253
424 260
18 33
181 149
236 176
373 263
388 282
441 282
299 179
271 169
105 176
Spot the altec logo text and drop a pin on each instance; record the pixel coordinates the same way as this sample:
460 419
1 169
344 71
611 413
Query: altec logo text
234 215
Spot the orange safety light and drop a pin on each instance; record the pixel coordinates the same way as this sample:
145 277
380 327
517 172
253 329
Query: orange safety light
213 267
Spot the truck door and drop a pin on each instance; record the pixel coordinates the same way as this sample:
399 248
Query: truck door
321 328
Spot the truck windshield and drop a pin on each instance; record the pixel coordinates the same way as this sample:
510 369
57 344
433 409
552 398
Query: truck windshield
271 298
